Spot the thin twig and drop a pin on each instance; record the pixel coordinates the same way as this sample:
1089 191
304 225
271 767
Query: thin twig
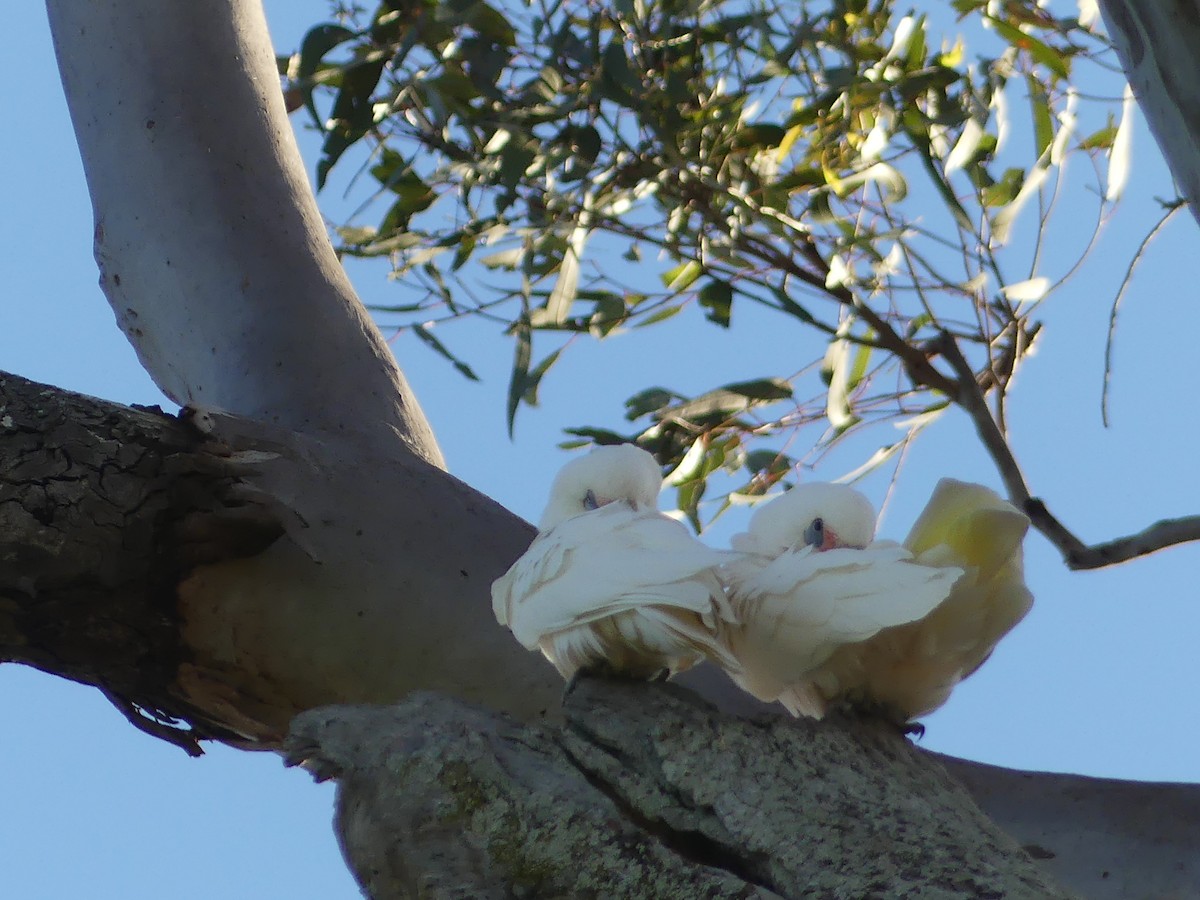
1116 305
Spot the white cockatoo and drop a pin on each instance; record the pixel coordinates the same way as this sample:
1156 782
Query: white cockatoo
910 670
610 582
809 580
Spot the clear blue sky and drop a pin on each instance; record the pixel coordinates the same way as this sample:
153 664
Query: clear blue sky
1098 680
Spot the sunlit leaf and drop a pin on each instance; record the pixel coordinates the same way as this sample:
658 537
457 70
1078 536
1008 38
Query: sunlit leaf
682 276
558 305
690 467
1003 222
1121 153
504 259
1026 291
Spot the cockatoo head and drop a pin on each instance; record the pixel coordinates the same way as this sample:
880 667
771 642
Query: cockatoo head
819 515
620 472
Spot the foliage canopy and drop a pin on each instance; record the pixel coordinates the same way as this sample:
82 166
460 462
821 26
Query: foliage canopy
838 163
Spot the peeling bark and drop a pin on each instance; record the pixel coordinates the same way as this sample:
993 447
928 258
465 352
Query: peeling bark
647 793
102 507
234 574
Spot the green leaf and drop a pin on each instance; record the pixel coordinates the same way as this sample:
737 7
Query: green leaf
717 298
353 115
682 276
423 332
660 315
763 389
608 313
649 401
599 435
1102 139
316 43
759 136
772 462
617 81
688 497
1004 191
792 308
533 379
731 399
1043 121
520 371
1054 60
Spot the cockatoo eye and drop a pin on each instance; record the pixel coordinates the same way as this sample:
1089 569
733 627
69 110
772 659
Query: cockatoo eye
589 501
814 534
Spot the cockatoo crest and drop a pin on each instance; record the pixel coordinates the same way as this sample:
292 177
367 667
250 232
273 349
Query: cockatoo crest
621 472
824 516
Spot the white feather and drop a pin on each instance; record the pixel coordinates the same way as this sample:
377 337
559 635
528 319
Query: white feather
800 607
912 668
621 584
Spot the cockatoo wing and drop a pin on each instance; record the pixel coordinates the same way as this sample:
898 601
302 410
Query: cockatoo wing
799 607
913 668
978 527
603 562
971 526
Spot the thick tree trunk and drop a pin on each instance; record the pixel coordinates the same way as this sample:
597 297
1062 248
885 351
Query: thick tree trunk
1156 40
648 794
212 251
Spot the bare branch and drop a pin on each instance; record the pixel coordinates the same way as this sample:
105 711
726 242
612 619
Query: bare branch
1076 553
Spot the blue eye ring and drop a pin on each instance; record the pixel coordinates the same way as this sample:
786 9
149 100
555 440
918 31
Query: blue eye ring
589 501
814 534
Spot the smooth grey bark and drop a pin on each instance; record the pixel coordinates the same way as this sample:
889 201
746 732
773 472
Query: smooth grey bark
212 251
1106 839
1156 41
647 793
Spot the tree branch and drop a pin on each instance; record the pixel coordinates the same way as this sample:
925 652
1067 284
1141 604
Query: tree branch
212 252
1076 553
647 793
230 575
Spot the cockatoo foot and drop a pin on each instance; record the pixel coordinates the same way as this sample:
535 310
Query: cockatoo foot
605 670
861 708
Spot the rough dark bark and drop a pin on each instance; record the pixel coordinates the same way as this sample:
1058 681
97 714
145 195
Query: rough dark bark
102 507
234 574
647 792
